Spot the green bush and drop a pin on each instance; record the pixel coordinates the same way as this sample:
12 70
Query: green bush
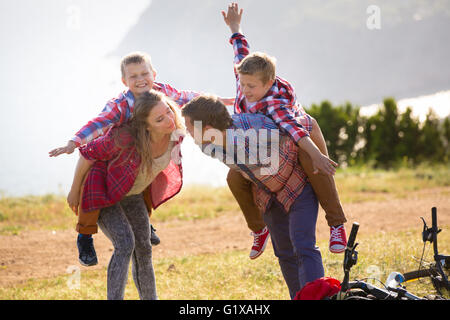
384 140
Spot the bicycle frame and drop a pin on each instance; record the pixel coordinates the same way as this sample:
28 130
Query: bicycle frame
438 257
350 259
435 272
382 294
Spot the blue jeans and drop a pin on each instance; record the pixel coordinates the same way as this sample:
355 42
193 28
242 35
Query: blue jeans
293 238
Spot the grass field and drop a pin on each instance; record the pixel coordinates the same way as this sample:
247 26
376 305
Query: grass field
230 274
197 202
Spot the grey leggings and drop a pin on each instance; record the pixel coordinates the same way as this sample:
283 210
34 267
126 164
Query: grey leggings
127 225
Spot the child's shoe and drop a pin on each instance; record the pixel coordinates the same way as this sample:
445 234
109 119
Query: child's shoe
87 255
154 239
259 242
338 239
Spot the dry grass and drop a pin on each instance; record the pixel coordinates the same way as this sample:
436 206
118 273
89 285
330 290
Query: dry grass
231 275
355 185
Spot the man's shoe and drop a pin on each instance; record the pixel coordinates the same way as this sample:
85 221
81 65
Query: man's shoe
259 242
154 239
338 239
87 255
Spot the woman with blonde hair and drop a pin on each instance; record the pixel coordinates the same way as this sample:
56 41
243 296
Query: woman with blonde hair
123 175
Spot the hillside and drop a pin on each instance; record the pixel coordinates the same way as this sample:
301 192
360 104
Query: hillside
323 47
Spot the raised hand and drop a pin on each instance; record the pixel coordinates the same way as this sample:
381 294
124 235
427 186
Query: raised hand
233 17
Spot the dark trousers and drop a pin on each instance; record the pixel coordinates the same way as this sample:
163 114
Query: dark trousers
293 237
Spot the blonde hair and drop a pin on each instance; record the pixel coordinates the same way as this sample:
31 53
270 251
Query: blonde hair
135 57
137 126
259 64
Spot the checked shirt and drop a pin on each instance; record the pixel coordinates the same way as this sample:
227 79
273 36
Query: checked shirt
118 110
252 144
279 103
114 171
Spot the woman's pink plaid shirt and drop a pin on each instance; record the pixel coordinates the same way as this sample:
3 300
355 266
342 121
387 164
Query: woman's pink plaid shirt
114 172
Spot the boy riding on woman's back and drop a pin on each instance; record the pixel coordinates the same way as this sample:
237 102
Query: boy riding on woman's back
138 75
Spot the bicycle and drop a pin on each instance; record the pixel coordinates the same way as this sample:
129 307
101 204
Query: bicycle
361 290
437 269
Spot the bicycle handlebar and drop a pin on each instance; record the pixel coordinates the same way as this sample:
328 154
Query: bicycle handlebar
434 218
353 232
434 229
383 294
350 257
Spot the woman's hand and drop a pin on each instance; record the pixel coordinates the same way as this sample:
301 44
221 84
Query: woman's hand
73 199
233 17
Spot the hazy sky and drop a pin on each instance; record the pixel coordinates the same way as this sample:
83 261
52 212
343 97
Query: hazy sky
54 78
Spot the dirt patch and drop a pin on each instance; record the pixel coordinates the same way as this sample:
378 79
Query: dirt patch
46 254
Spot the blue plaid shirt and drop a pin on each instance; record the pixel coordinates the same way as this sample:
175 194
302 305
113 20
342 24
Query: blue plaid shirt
265 155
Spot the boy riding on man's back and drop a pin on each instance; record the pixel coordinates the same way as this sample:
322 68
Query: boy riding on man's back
280 187
259 90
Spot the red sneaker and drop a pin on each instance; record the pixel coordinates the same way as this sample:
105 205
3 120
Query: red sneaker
259 242
338 239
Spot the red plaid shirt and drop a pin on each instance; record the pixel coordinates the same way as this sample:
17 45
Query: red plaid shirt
285 185
115 170
279 103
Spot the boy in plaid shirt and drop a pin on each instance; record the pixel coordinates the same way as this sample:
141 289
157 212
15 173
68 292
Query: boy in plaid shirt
138 76
259 90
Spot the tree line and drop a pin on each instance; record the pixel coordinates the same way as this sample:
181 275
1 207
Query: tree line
384 140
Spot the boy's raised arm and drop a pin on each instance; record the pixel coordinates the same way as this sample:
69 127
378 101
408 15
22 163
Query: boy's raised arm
233 17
